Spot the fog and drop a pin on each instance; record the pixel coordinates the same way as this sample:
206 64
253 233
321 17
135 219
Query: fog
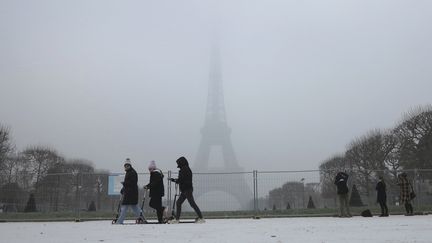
106 80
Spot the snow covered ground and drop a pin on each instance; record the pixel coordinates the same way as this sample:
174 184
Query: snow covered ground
356 229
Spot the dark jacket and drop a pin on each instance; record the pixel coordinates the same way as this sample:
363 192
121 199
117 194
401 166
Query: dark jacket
381 191
341 183
156 184
130 188
185 175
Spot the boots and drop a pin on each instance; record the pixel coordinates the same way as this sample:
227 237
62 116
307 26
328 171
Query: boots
409 209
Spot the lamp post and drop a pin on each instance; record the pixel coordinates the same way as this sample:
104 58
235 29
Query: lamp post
76 173
303 191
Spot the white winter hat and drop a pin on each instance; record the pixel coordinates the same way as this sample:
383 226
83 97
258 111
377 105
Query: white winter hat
152 165
127 162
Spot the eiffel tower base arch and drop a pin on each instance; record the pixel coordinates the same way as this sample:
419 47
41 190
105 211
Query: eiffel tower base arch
233 184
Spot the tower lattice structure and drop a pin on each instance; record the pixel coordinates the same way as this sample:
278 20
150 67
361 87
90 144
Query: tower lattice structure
216 133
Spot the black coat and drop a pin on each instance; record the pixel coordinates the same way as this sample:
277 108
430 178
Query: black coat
156 184
130 188
381 192
341 183
185 179
185 175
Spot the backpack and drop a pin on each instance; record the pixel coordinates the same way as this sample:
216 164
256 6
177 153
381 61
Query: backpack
366 213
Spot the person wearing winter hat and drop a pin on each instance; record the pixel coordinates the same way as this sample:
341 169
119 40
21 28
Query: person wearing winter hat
130 194
186 190
156 187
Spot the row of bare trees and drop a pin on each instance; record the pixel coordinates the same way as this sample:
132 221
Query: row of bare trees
57 183
406 147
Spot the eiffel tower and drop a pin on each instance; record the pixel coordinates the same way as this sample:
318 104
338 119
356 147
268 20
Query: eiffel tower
216 133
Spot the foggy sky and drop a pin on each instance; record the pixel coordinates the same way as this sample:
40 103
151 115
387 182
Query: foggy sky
106 80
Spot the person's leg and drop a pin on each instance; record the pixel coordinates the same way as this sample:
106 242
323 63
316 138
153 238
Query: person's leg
179 202
347 209
381 203
410 207
159 216
385 208
407 209
122 216
137 210
156 203
152 203
341 205
191 201
139 215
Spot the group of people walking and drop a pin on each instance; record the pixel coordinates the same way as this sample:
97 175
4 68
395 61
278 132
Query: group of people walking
406 194
129 193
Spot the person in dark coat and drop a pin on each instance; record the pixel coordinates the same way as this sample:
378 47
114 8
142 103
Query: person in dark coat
341 181
130 194
157 190
186 191
382 196
405 191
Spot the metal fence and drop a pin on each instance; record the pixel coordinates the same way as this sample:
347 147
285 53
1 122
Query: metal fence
255 193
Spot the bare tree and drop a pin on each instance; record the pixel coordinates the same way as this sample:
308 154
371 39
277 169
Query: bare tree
6 148
367 156
328 170
85 179
53 187
56 184
414 136
13 196
39 160
11 169
66 184
391 161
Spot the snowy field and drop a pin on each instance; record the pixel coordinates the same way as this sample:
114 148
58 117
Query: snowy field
356 229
